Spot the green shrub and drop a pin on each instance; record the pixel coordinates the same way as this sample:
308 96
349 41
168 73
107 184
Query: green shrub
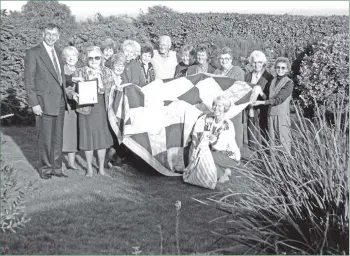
298 203
324 72
12 201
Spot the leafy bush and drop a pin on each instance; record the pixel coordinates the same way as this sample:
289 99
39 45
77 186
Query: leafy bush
276 35
12 201
298 203
324 72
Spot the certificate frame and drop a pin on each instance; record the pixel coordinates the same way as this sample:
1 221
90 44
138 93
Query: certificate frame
88 92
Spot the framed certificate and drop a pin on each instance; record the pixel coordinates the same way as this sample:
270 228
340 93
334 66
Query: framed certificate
87 91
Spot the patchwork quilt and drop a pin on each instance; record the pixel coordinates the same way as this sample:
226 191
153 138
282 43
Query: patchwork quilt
156 121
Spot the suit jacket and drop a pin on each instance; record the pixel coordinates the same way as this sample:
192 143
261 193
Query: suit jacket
41 81
133 74
264 82
193 69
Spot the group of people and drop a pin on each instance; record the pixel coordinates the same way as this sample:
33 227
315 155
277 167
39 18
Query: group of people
64 126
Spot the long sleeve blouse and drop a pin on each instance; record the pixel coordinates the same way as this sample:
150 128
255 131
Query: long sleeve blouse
225 133
282 95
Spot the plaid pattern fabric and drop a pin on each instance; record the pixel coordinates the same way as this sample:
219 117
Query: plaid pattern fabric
156 121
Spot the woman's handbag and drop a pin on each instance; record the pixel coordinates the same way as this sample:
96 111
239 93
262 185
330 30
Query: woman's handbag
202 170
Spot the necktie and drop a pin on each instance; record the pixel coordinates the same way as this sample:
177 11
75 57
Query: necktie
55 63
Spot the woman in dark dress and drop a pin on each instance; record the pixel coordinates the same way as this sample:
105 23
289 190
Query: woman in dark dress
94 133
133 71
257 116
188 54
70 127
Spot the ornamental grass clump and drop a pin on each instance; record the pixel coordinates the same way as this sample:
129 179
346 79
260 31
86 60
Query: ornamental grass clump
12 201
297 203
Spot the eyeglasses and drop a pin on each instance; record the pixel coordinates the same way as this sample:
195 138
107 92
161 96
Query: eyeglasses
225 59
279 67
94 58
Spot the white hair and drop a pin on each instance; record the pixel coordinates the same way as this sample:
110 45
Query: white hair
166 39
69 50
127 43
257 55
224 100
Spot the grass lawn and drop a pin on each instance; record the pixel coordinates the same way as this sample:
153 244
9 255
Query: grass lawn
103 215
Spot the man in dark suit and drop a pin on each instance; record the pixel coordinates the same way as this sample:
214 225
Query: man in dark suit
44 80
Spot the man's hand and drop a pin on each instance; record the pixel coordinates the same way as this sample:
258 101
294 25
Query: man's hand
37 110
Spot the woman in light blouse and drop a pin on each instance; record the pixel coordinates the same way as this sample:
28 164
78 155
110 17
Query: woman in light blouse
70 125
278 101
257 116
221 135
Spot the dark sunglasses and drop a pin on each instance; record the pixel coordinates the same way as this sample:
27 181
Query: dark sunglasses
279 67
96 58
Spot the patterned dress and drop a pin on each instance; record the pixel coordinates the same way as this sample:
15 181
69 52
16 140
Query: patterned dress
94 132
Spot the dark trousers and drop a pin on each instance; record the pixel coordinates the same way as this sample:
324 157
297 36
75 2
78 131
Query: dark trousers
50 137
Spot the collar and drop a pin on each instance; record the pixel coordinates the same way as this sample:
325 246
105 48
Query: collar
47 47
68 70
258 74
226 71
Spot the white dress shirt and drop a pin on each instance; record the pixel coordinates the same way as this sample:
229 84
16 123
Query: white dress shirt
49 51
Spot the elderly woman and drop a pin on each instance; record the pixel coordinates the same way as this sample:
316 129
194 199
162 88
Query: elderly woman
221 136
147 67
94 133
278 101
201 65
118 64
107 47
70 126
187 55
257 116
133 71
236 73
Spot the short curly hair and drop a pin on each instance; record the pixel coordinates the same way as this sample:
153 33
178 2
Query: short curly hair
69 50
282 60
224 100
118 58
108 43
147 49
127 43
258 55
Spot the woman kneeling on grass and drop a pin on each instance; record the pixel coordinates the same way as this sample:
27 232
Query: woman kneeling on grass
280 95
221 136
